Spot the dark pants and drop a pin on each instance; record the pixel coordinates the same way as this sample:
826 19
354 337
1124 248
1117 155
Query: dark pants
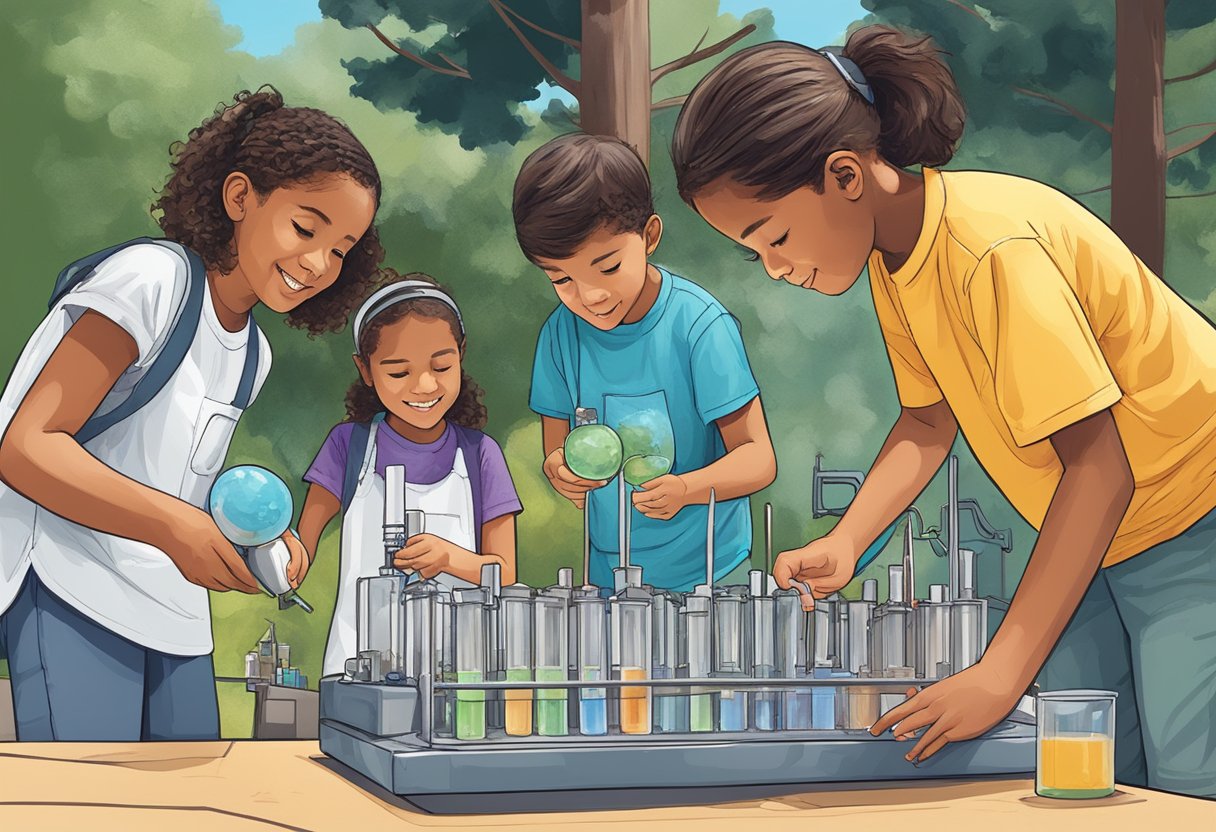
75 680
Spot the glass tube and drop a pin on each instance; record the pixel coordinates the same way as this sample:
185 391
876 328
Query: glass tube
516 605
695 657
441 657
631 626
552 628
470 663
793 641
378 619
731 654
670 704
591 613
763 653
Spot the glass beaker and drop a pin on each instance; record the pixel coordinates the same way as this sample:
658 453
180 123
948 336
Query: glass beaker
1076 743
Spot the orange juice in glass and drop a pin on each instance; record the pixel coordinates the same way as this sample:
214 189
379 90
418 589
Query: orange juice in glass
1075 752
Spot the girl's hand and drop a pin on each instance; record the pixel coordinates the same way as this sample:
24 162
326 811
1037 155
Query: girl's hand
662 498
427 555
297 567
960 707
825 565
567 483
203 555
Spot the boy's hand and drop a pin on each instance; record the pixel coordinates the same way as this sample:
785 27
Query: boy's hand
203 555
825 565
427 554
662 498
958 708
567 483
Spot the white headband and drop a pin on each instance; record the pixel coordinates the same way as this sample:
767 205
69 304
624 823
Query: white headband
396 293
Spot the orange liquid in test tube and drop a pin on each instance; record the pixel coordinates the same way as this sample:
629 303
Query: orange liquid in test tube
635 706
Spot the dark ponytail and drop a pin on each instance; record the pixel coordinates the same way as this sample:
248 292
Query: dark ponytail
362 403
769 116
274 145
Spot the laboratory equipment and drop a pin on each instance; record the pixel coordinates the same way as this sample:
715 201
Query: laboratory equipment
670 704
469 606
552 661
632 623
252 507
591 617
732 637
593 451
1075 755
515 604
763 657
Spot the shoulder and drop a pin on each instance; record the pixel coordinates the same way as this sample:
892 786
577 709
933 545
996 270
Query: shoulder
692 309
473 438
154 273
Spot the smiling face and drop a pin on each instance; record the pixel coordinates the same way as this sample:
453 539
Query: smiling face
290 243
604 279
812 240
415 370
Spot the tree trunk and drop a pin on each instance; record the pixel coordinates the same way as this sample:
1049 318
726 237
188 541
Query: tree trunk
1138 150
614 83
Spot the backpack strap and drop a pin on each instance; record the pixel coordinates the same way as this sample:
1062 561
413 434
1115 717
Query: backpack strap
469 443
181 334
249 373
356 451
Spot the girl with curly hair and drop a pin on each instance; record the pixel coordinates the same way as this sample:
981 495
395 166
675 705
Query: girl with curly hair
412 405
122 405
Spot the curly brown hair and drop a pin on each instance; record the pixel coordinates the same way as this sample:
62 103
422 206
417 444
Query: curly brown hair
274 146
362 403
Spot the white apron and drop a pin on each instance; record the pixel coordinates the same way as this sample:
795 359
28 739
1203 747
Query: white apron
448 505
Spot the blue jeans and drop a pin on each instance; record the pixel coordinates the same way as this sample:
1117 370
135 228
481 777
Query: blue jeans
1147 630
75 680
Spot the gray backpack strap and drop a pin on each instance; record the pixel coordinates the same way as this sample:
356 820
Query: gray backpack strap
355 452
181 336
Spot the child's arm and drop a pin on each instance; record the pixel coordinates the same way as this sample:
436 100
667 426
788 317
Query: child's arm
41 459
320 507
1089 503
748 466
429 555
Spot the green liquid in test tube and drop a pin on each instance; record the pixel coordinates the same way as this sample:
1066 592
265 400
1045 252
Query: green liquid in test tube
551 717
470 662
470 708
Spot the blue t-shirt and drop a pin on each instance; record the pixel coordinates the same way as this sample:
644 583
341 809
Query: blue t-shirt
684 361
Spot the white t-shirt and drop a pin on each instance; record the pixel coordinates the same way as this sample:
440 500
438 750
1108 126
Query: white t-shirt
176 443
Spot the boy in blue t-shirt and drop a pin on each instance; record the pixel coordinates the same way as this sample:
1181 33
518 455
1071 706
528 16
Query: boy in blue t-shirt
646 349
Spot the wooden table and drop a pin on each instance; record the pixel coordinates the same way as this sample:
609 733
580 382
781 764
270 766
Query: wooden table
268 785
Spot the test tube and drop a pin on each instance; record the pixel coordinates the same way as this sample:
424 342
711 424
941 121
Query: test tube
516 604
670 704
378 619
441 656
763 652
793 641
469 621
695 658
631 625
591 613
731 639
552 661
827 663
934 615
861 614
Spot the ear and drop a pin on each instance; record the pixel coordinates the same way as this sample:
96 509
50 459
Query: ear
237 192
365 372
652 233
843 174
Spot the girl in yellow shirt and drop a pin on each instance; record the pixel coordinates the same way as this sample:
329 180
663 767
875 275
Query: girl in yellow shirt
1083 384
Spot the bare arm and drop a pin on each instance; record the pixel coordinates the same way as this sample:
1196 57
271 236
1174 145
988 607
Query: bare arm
553 433
914 450
41 459
1085 512
748 465
429 555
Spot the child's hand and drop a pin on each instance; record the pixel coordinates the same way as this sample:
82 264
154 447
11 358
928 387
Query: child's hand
297 567
825 565
427 555
567 483
662 498
203 555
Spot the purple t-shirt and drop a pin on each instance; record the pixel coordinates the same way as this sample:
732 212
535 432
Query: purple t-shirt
424 464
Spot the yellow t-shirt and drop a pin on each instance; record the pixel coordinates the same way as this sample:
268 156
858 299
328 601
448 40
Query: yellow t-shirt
1028 314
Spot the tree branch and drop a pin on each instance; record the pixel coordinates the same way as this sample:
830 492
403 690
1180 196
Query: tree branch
456 71
675 101
700 54
1189 146
968 10
1190 196
1068 108
571 42
560 78
1204 71
1192 127
1092 191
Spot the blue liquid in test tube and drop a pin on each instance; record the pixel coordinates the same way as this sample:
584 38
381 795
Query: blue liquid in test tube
592 716
732 711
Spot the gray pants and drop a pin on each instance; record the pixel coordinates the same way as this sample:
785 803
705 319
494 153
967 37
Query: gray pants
75 680
1147 630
